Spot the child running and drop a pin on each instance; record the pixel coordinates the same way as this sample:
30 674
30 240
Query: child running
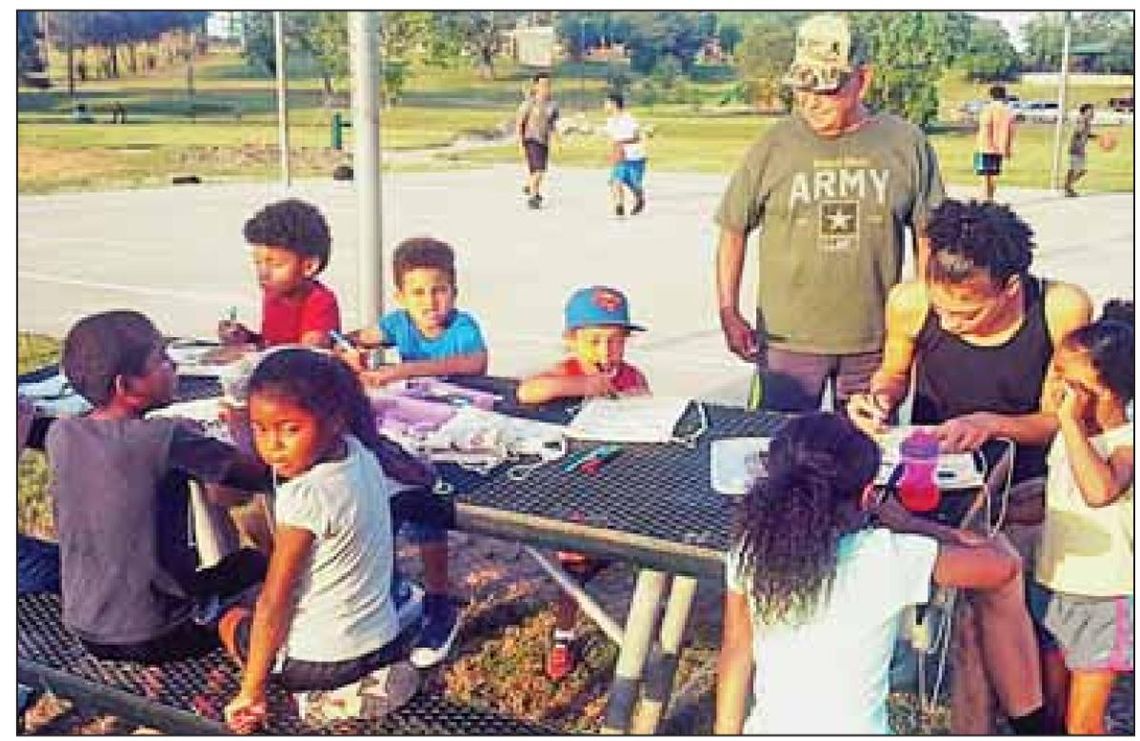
815 591
324 623
597 328
1083 599
132 589
433 338
628 159
291 244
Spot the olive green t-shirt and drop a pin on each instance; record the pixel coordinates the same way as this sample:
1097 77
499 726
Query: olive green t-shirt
834 214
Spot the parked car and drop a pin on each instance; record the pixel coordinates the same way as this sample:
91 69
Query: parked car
1036 111
1122 105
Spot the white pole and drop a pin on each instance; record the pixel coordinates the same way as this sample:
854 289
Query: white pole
282 106
363 42
1062 91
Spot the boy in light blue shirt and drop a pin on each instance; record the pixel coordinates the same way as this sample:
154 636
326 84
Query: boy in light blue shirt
433 338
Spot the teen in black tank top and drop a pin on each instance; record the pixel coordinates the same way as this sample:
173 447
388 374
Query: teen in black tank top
955 378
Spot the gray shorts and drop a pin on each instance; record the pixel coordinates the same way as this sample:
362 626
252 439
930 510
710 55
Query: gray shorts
1077 162
790 381
1094 633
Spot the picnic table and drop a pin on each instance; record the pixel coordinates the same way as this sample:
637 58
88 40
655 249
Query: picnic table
653 507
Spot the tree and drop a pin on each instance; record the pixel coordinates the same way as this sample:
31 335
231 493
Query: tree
110 30
989 54
729 35
473 33
763 56
28 36
910 51
657 34
1112 29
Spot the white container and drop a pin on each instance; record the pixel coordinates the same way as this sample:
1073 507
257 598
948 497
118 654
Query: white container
735 462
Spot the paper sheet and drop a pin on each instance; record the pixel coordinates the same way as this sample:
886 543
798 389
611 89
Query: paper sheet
644 419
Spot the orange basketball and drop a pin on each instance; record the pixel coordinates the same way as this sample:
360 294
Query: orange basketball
1106 140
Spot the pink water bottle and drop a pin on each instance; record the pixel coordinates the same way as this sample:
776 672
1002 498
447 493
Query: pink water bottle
918 490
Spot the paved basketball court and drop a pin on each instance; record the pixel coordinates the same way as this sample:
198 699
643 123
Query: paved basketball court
177 254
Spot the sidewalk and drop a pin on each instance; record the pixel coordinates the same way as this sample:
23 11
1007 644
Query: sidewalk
177 254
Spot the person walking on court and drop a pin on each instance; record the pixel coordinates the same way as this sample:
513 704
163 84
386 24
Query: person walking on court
535 124
995 141
627 156
1082 132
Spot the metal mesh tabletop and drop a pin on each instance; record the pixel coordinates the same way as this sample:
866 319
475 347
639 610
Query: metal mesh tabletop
203 686
659 492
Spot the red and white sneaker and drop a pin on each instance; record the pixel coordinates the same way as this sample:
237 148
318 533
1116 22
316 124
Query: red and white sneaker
561 659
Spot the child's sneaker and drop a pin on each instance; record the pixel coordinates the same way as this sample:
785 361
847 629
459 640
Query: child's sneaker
371 697
408 599
441 626
619 210
639 204
535 201
561 660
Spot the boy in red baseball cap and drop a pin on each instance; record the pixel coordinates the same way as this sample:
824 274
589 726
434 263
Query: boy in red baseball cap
597 327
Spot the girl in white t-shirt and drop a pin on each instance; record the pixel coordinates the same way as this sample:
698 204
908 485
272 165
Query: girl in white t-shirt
815 592
324 624
1083 601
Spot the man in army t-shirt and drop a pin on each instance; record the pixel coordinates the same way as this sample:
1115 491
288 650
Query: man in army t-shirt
834 187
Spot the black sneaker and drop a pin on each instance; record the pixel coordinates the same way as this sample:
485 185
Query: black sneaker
639 204
534 201
440 627
619 210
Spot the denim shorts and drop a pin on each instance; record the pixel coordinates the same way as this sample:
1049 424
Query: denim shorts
296 675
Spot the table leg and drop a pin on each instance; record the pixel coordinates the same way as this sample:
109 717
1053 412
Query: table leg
639 624
663 664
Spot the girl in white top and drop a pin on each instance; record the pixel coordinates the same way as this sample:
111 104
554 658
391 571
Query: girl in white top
815 592
324 619
1085 560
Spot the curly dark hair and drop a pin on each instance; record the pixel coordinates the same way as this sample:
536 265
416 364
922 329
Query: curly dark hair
965 237
294 225
423 252
319 384
103 346
818 468
1110 343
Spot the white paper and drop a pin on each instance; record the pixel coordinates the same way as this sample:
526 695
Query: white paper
642 419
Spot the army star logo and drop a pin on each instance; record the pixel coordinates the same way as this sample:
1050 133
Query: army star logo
838 226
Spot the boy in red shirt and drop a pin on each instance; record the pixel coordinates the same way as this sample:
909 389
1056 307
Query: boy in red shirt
597 327
291 243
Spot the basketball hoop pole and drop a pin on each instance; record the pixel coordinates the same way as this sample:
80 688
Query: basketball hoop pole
1062 89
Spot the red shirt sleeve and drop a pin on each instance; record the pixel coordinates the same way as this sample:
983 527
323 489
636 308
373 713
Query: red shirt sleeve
630 380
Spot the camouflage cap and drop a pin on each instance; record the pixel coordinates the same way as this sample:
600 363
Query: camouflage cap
827 52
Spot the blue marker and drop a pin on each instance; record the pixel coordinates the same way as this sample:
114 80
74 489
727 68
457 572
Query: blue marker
341 341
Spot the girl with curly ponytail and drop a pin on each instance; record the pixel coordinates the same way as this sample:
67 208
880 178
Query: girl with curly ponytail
815 592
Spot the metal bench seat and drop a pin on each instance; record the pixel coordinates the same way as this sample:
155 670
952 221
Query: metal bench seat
188 697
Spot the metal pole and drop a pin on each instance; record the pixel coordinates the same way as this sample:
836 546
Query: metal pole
282 93
640 623
592 609
70 55
1061 95
582 64
363 42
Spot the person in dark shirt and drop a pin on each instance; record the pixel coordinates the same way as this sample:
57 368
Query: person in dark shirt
132 589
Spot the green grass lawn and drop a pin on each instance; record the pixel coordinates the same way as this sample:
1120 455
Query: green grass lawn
233 134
